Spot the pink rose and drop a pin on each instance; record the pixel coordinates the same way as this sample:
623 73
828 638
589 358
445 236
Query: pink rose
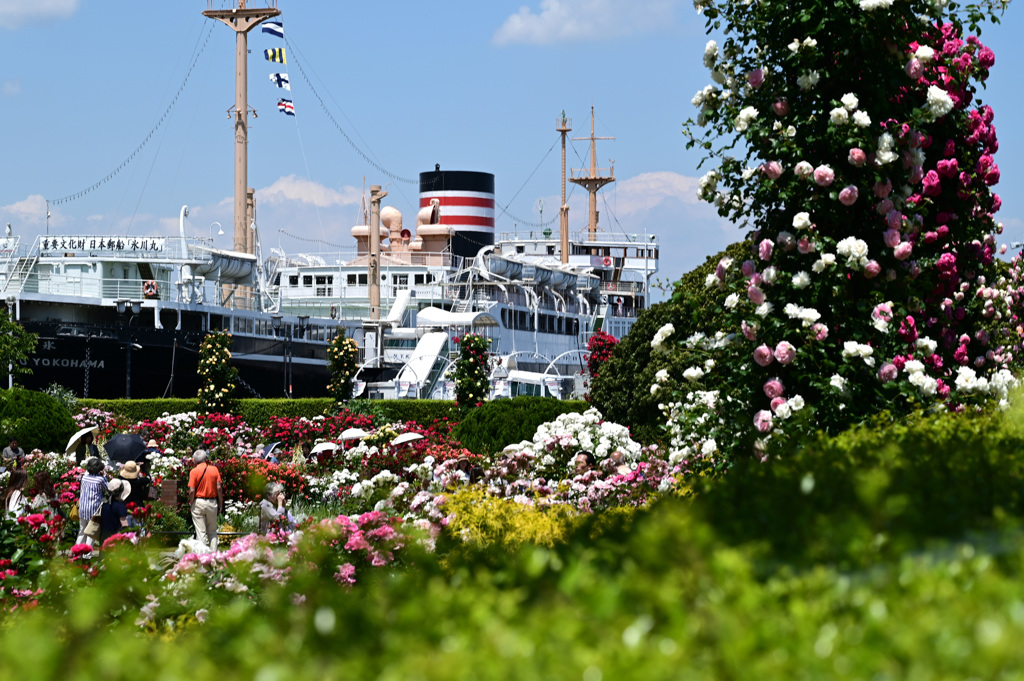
894 219
785 352
774 388
755 294
824 176
805 246
748 268
903 250
763 355
887 373
857 157
820 331
883 190
780 107
892 238
749 331
848 196
914 68
872 269
756 78
776 403
763 420
773 169
884 206
764 249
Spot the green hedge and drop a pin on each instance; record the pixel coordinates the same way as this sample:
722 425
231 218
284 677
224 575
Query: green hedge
490 427
258 412
38 420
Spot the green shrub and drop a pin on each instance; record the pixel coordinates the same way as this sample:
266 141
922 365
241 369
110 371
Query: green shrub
622 390
38 420
493 425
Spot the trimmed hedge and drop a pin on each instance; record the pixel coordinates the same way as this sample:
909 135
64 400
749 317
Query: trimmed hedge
490 427
257 413
38 420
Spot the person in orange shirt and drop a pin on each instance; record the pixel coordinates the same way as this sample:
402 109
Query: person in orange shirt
205 498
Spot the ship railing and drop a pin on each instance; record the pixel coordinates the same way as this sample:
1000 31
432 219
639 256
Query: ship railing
578 236
329 261
618 287
120 247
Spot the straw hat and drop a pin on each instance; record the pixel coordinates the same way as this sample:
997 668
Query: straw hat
152 444
130 470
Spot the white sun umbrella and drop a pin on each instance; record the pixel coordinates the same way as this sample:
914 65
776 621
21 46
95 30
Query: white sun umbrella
324 447
406 437
353 434
76 438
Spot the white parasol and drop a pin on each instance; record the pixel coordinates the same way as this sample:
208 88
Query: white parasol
73 442
323 447
405 438
353 434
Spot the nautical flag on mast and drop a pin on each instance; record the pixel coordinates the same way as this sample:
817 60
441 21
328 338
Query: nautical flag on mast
276 55
281 80
286 106
274 28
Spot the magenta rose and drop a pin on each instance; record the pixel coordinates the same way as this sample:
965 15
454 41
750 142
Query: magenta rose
932 184
780 107
764 249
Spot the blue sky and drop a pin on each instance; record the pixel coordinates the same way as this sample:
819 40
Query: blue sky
467 84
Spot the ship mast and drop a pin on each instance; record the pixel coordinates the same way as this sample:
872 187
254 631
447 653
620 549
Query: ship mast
592 182
564 126
242 19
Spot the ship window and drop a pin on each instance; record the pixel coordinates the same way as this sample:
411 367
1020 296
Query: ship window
417 279
323 286
362 279
520 249
504 318
293 280
307 280
401 280
551 250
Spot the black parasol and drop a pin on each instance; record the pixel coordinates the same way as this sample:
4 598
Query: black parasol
125 447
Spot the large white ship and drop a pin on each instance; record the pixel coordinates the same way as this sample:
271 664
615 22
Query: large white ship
124 316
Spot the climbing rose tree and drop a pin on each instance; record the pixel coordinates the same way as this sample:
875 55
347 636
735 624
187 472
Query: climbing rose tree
216 396
471 376
847 137
342 356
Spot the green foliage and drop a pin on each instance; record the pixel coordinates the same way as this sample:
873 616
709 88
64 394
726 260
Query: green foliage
492 426
342 360
64 395
35 418
16 346
472 383
622 391
257 413
220 379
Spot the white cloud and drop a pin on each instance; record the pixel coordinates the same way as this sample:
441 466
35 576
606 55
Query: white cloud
28 211
11 88
581 20
292 188
16 13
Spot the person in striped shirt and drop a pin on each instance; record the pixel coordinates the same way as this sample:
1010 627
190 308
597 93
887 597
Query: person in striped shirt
90 497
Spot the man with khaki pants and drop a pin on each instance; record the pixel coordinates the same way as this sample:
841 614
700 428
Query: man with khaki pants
205 498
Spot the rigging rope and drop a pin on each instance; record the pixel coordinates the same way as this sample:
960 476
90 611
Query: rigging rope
504 209
376 166
77 195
